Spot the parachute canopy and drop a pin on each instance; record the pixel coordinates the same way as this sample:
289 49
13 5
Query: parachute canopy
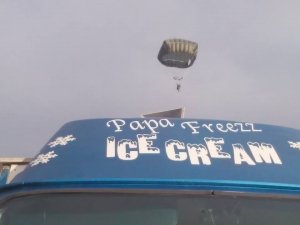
178 53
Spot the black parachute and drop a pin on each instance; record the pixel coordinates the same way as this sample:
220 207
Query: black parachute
178 53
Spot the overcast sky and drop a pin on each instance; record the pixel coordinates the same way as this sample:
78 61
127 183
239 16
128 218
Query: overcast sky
64 60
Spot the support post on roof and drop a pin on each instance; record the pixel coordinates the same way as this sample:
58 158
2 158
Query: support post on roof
10 167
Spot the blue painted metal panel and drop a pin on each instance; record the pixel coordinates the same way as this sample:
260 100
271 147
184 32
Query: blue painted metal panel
169 152
3 176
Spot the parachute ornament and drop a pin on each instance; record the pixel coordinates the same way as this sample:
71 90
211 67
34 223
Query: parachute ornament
178 53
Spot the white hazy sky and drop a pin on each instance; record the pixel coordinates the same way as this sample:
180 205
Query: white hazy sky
63 60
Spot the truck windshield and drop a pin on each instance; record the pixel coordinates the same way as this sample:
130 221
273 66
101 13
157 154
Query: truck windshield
158 209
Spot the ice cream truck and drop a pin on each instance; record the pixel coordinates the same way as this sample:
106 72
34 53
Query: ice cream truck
158 171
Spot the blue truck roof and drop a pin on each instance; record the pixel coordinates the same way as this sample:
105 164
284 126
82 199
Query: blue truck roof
168 154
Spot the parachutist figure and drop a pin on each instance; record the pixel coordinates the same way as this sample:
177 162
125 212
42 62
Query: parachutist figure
178 86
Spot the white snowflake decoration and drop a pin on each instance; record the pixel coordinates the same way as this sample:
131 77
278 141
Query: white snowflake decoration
43 158
62 141
294 145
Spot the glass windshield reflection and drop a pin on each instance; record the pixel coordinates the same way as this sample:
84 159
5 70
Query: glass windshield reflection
129 209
